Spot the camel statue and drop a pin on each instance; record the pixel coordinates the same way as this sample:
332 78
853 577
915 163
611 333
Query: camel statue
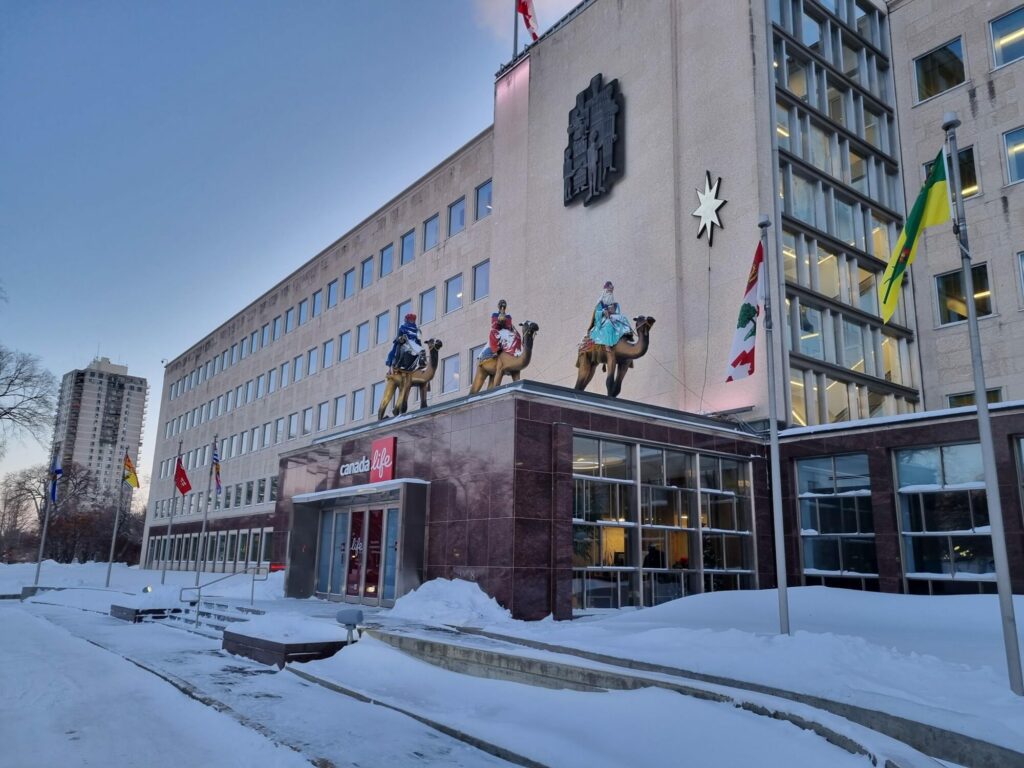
397 385
492 370
617 360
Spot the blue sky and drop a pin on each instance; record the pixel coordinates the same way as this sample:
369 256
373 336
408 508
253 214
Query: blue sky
161 164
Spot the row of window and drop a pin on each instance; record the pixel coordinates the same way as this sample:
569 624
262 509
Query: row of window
220 551
944 67
312 307
198 503
942 518
332 351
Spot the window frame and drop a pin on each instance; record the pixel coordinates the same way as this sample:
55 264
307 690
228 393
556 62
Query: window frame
402 261
1006 154
487 292
992 38
437 237
459 295
489 184
938 301
451 208
918 99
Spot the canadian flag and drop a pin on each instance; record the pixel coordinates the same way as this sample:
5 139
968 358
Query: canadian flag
525 8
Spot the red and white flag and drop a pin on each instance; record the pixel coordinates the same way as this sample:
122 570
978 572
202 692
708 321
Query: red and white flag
181 479
741 360
525 8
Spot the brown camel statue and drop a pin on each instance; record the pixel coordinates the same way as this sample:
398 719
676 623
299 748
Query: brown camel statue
397 385
492 370
617 360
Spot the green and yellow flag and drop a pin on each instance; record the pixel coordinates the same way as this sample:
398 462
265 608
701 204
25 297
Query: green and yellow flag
930 208
128 475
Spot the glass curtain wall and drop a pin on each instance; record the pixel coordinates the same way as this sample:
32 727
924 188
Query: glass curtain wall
651 524
839 188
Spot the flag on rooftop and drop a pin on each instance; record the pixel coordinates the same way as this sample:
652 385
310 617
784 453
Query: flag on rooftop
128 475
930 208
525 8
181 479
741 360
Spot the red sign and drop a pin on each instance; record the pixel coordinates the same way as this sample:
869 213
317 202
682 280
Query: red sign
382 459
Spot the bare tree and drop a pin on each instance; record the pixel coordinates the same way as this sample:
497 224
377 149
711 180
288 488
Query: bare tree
28 395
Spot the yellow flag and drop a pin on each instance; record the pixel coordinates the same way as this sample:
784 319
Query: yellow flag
930 208
129 476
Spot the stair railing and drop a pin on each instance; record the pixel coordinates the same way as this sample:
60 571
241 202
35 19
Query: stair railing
259 573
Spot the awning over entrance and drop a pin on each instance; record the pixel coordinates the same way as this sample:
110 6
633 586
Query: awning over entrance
366 489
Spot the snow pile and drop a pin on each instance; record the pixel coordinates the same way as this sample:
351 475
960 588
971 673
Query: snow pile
290 627
449 601
241 586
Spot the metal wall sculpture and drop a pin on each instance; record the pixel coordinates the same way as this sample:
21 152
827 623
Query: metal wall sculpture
593 158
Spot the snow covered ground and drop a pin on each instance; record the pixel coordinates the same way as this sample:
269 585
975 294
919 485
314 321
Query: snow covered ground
935 659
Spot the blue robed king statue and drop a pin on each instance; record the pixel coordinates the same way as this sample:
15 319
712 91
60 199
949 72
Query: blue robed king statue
407 352
608 323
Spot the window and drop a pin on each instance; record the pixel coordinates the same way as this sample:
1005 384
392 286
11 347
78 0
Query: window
1008 37
332 293
307 420
350 283
403 309
289 320
265 339
1020 260
362 337
328 353
428 306
967 398
376 395
297 369
1014 141
457 217
483 200
431 232
950 290
408 247
277 328
285 372
944 513
266 435
303 311
243 350
279 430
260 386
293 426
366 273
311 361
940 70
836 519
358 404
387 259
968 175
481 280
318 303
250 391
340 404
450 374
345 346
383 327
234 354
452 294
322 416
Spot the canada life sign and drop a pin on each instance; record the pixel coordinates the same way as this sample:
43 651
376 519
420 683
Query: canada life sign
380 464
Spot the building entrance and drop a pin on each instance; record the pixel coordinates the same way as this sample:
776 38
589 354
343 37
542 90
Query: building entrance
358 554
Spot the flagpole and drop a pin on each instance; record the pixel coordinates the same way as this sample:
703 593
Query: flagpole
515 29
773 425
117 515
206 511
995 508
50 490
170 522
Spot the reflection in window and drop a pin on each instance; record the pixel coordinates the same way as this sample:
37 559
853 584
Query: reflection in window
828 273
811 342
950 290
1008 37
1014 141
837 399
940 70
798 396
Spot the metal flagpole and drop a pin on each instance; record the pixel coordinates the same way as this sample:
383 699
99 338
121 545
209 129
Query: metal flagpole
773 419
51 490
206 511
515 28
988 460
117 515
170 522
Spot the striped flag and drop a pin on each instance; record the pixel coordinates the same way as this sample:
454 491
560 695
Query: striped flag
741 360
930 208
216 466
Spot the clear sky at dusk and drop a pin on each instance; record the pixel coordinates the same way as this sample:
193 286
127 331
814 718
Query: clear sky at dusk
162 164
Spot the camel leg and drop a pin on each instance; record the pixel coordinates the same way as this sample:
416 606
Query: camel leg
498 375
515 375
620 374
609 380
586 371
479 378
403 397
385 401
423 395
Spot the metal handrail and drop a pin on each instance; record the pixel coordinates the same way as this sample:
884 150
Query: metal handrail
256 571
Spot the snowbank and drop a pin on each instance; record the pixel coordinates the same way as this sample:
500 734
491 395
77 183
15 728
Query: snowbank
455 602
288 627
